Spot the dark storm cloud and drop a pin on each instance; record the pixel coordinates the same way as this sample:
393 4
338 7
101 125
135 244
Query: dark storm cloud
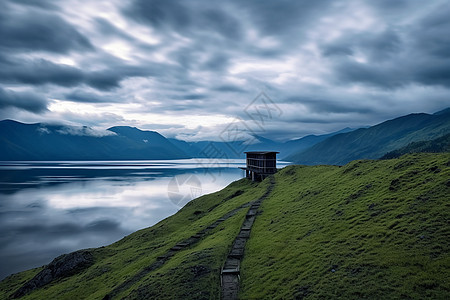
384 76
189 97
433 72
337 49
33 30
212 21
41 71
160 13
181 106
216 62
22 100
331 104
398 56
105 79
80 95
378 46
395 73
229 88
431 34
187 18
44 4
283 17
38 72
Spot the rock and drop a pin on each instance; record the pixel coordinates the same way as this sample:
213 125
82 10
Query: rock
62 266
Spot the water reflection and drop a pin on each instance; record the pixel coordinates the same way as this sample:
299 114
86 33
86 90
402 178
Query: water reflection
50 208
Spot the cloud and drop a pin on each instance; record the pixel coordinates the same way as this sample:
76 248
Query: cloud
189 97
284 17
28 101
430 32
229 88
74 130
42 71
31 30
81 95
83 131
38 72
43 4
398 56
377 46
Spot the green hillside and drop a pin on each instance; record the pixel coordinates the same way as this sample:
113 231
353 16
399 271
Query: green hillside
369 229
375 141
441 144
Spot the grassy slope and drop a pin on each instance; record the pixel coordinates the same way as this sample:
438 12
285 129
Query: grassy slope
441 144
370 229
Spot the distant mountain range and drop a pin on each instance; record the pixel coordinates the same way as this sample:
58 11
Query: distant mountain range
41 141
20 141
375 141
236 149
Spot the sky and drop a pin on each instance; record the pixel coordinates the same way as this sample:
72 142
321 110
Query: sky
189 69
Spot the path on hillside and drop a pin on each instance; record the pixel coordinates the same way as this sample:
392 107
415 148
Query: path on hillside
161 260
230 273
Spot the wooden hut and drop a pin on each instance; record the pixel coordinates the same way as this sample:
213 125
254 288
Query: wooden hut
260 164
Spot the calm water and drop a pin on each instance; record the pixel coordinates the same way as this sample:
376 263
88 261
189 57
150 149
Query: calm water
50 208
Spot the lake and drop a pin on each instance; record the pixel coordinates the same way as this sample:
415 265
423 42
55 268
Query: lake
51 208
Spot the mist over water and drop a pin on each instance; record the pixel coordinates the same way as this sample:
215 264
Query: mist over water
51 208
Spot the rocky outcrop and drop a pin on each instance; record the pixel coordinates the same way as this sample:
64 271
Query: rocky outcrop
62 266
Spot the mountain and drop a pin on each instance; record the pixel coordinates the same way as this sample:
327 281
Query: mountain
39 141
367 230
146 144
214 149
439 145
375 141
211 149
308 141
56 142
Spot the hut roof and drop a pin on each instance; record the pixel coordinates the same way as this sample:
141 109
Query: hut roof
261 152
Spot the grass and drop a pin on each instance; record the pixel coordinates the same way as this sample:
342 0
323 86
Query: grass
369 229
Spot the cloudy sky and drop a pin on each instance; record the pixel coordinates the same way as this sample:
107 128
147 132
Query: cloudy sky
189 68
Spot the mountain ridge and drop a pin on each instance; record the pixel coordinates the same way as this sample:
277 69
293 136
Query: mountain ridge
40 141
375 141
